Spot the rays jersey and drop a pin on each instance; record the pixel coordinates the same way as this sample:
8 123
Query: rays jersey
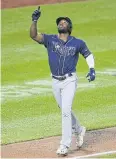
63 56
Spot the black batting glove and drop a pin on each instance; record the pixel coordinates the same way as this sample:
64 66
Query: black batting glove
91 75
36 14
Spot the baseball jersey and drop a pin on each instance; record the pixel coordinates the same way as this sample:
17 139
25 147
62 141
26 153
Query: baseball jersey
63 56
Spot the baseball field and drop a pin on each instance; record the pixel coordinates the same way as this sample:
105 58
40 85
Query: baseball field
29 110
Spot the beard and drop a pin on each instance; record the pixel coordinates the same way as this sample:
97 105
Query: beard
62 30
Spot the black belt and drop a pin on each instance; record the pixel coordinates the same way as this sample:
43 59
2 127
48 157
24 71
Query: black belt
61 78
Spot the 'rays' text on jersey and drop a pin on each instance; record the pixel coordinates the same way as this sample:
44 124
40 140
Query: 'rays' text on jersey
62 49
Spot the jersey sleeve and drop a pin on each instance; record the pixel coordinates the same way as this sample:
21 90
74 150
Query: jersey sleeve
84 50
45 40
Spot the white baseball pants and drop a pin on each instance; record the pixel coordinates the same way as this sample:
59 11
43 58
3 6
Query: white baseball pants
64 92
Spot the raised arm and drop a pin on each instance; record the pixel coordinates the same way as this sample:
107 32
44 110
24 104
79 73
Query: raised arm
33 29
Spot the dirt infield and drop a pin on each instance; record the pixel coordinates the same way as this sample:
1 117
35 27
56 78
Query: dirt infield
21 3
103 140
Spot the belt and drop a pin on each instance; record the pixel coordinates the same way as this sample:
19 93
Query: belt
61 78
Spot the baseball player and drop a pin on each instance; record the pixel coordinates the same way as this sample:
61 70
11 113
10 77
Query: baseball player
63 54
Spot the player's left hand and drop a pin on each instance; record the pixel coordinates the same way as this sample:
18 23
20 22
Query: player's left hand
91 75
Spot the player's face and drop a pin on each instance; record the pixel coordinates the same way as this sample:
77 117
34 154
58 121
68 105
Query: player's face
63 26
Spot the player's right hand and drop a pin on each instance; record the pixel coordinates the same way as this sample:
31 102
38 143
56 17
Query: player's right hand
36 14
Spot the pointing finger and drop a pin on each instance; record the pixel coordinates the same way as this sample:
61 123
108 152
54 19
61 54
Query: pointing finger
38 7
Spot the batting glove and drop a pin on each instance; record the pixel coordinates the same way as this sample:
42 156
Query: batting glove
36 14
91 75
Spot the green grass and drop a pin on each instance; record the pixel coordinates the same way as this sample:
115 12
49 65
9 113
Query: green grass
40 116
107 156
26 114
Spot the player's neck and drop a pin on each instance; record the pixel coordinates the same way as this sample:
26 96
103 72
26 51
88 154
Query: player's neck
63 36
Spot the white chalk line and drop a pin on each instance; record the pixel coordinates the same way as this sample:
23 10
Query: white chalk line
96 154
44 86
33 88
